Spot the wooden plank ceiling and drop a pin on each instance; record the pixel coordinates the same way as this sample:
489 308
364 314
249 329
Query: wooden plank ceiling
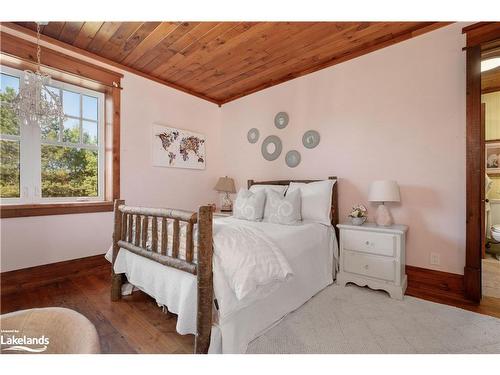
223 61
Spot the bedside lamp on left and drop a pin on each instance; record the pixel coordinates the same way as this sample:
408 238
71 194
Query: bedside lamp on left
226 185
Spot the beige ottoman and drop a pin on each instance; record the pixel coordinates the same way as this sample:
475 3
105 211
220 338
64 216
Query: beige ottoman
48 330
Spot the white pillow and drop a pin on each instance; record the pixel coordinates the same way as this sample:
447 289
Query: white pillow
316 200
283 210
249 205
279 188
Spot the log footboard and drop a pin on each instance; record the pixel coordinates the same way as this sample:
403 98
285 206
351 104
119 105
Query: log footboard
145 232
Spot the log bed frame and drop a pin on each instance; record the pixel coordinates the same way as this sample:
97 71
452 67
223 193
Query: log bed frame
135 240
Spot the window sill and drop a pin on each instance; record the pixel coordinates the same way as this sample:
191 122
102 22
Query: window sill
43 209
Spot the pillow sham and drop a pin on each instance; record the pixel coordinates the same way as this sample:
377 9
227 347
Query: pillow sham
316 200
278 188
283 209
249 205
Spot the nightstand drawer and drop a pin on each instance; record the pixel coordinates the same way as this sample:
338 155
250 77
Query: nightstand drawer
368 265
369 242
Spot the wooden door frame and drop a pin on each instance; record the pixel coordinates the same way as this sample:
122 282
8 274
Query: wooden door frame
477 35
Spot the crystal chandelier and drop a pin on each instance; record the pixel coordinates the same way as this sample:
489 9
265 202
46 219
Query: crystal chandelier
35 104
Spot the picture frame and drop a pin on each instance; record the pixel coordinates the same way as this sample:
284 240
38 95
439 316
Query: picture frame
177 148
492 158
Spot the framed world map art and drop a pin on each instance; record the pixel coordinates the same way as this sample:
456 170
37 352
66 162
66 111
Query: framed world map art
177 148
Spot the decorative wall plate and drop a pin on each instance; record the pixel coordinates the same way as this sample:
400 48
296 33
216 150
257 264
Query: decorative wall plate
271 148
281 120
310 139
292 158
253 135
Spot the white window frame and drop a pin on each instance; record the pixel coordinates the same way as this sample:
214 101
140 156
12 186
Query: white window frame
31 145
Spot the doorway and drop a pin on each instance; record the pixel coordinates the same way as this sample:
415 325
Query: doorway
483 42
490 123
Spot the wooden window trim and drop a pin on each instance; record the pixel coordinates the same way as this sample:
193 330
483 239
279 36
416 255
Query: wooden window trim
19 53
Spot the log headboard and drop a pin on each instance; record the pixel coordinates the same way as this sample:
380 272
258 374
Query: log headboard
334 213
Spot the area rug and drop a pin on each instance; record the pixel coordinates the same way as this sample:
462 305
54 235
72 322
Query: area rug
359 320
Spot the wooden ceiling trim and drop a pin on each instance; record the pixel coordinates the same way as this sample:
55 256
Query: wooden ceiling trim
150 42
337 60
93 56
25 50
86 34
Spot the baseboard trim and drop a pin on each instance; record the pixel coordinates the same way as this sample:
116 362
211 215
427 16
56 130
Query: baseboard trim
35 277
436 286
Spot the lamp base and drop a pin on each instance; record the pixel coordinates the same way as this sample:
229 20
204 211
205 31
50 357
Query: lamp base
383 217
227 204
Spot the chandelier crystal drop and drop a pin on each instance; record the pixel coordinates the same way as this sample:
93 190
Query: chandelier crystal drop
35 103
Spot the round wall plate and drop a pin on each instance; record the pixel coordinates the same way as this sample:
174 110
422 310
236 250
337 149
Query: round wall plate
281 120
271 148
292 158
253 135
310 139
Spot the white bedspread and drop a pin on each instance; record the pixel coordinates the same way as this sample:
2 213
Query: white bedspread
309 249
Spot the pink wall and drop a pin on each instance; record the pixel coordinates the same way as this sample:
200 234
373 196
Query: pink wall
397 113
32 241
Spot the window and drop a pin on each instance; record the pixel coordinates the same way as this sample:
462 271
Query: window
58 162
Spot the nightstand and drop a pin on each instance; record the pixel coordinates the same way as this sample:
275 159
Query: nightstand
373 256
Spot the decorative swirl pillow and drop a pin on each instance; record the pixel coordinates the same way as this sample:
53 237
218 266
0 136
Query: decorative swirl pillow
283 209
249 205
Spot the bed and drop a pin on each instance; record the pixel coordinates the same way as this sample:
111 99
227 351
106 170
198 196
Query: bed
172 256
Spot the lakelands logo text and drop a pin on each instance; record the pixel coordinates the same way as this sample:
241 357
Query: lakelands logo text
11 342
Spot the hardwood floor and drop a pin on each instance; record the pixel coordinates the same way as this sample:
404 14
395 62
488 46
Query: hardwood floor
134 324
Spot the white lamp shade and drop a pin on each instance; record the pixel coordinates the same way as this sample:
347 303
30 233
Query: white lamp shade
384 191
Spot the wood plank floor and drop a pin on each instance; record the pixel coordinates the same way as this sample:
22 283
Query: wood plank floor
133 325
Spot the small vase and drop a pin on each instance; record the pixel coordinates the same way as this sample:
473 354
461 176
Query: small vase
358 220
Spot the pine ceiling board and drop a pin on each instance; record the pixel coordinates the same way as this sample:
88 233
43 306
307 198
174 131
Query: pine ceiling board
154 56
135 39
53 29
229 47
150 42
176 60
114 45
195 60
86 34
70 31
102 36
283 49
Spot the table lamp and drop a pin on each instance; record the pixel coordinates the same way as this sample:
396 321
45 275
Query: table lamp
226 185
384 191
